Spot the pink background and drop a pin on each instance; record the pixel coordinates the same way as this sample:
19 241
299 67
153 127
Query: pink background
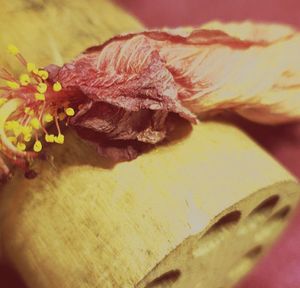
281 268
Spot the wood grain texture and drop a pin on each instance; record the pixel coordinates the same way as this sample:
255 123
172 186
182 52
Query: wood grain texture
211 200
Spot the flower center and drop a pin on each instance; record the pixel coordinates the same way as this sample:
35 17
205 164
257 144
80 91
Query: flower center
29 104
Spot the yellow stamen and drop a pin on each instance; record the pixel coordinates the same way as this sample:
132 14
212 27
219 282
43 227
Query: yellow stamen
29 111
60 139
12 139
57 87
6 110
39 96
35 123
24 79
42 88
27 132
48 118
43 74
27 137
10 125
37 147
31 67
13 50
21 146
50 138
12 85
70 111
17 130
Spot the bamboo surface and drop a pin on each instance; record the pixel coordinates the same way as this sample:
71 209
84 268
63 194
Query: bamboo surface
197 212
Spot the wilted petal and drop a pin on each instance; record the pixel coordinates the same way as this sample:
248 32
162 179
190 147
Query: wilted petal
132 83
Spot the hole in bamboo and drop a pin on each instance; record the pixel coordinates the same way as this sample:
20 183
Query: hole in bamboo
281 214
274 225
258 215
165 279
253 253
245 264
266 206
217 233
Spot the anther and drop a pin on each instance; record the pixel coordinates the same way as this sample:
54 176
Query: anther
60 139
48 118
43 74
24 79
35 123
12 85
21 146
13 50
70 111
42 88
39 96
57 87
37 147
50 138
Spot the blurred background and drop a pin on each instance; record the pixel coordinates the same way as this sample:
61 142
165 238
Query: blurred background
158 13
281 268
